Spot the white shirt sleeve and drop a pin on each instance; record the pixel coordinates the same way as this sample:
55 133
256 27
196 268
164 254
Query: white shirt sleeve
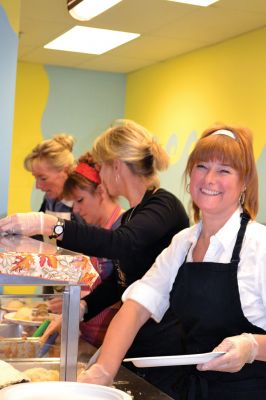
252 274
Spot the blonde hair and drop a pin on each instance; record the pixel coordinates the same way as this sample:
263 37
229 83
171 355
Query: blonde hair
57 152
238 153
133 144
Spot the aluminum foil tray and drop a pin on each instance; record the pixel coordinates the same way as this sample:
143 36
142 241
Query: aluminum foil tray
10 330
11 348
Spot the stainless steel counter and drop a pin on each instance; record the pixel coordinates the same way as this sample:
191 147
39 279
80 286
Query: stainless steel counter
126 380
137 387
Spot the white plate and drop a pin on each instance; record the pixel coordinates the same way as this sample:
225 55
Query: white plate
8 309
10 317
61 390
164 361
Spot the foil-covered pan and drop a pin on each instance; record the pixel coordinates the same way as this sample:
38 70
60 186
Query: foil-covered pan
11 348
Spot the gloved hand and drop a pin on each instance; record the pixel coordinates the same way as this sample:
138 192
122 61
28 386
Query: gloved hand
239 350
83 309
54 326
96 374
55 305
28 224
23 223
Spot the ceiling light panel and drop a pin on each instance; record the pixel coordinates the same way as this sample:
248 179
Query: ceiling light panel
203 3
88 9
82 39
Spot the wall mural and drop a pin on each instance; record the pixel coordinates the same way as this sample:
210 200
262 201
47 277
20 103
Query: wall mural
8 49
179 98
51 100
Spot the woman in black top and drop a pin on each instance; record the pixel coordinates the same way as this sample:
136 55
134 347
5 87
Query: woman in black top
129 158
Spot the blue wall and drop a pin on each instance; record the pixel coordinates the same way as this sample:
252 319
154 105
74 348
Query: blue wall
8 51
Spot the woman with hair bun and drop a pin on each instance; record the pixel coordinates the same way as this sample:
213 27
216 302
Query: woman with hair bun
50 162
130 159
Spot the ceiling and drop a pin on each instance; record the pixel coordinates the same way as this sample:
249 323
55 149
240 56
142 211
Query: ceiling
167 30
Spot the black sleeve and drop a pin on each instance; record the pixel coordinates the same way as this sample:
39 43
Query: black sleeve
106 294
163 213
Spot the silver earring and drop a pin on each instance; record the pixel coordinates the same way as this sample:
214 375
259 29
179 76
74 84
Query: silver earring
242 198
117 177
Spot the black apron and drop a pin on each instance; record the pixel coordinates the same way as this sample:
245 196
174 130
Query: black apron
205 297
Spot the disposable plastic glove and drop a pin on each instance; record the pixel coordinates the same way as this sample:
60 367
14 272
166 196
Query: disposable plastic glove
54 326
55 305
28 224
239 350
96 374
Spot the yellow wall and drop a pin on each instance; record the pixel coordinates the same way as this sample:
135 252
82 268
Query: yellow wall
225 82
31 96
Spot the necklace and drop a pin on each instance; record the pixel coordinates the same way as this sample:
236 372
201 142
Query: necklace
131 213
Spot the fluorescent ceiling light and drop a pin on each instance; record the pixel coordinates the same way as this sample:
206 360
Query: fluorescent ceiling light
203 3
84 10
82 39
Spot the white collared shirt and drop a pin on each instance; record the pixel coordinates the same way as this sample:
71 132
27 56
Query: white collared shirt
153 290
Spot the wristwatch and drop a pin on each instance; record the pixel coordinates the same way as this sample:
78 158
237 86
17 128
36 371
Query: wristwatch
58 229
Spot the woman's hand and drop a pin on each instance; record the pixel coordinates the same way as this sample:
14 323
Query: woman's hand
22 223
55 305
54 326
28 224
96 374
239 350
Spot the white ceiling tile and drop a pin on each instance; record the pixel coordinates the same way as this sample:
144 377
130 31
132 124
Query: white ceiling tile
167 29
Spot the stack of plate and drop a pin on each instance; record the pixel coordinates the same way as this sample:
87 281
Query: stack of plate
61 390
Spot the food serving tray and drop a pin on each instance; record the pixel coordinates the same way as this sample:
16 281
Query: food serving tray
12 348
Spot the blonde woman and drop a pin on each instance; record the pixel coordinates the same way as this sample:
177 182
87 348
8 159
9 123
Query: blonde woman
50 162
130 159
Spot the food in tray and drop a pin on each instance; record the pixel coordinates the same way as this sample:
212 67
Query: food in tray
13 348
24 313
39 374
10 375
14 304
40 312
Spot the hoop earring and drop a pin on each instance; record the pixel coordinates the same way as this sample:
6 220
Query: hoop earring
188 188
242 198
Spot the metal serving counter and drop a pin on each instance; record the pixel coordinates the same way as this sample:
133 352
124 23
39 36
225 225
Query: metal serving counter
137 387
125 380
25 261
73 351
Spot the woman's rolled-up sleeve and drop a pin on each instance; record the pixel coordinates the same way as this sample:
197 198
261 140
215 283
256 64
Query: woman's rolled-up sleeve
148 297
